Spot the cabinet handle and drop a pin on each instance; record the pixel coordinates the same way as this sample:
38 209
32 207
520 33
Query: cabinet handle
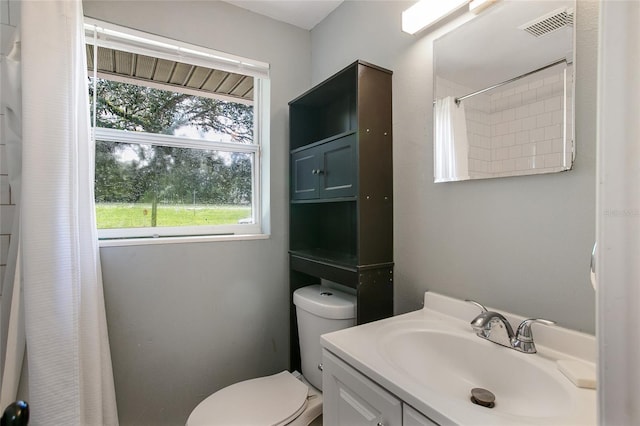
320 171
380 424
320 367
314 172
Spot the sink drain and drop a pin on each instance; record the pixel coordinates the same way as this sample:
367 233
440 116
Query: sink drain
483 397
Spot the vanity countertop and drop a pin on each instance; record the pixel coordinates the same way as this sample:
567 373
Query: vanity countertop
529 388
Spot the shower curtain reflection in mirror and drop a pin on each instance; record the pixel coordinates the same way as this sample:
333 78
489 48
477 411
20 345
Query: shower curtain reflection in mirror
451 145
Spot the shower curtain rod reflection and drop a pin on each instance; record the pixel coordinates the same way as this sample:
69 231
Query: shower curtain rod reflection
461 98
495 86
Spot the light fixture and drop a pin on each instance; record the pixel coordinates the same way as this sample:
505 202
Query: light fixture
428 12
477 6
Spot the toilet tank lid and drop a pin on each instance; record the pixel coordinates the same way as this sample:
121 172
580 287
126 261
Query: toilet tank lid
325 302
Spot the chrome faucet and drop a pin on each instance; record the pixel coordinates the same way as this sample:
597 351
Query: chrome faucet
494 327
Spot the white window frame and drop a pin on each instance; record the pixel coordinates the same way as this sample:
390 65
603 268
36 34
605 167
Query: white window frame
113 36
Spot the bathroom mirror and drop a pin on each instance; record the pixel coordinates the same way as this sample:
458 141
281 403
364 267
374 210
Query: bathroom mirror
503 90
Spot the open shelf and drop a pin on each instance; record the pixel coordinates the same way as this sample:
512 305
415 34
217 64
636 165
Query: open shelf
324 112
325 231
328 257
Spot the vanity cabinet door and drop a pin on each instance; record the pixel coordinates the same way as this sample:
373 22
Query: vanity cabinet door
411 417
350 399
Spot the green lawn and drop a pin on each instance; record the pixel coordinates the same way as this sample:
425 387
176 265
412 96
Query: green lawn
122 215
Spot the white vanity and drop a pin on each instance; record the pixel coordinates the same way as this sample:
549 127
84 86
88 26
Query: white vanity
419 369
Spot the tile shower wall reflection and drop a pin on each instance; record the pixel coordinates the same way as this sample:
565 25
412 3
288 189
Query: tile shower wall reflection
9 18
519 128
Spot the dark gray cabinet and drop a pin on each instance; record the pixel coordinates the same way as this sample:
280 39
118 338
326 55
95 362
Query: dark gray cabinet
341 189
326 170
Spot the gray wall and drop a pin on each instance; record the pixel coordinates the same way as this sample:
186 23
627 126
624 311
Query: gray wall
188 319
520 244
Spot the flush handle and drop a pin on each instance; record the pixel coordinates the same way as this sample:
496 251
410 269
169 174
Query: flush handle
594 254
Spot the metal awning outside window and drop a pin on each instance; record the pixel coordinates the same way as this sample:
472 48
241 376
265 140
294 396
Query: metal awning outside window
156 72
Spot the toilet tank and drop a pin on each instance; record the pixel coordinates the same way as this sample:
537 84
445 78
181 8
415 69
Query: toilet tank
320 310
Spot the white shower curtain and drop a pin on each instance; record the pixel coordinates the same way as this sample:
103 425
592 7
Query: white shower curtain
69 362
451 145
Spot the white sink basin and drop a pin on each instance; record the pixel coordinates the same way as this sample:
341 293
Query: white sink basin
452 364
431 359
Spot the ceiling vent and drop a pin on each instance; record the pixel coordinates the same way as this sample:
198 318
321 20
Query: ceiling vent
549 23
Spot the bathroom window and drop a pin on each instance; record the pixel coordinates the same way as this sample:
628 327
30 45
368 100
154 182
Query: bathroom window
178 131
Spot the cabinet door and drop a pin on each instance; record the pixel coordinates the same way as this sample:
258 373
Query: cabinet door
338 174
350 399
325 171
411 417
304 174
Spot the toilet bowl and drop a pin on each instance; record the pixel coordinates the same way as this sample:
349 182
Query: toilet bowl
284 398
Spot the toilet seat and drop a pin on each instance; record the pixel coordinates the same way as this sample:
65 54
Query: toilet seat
266 401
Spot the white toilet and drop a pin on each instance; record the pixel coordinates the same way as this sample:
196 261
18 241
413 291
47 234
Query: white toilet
284 398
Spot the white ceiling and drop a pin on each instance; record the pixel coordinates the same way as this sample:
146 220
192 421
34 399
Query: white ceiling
305 14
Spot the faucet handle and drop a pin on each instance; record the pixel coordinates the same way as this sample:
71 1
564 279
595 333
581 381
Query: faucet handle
480 323
479 305
524 333
523 341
